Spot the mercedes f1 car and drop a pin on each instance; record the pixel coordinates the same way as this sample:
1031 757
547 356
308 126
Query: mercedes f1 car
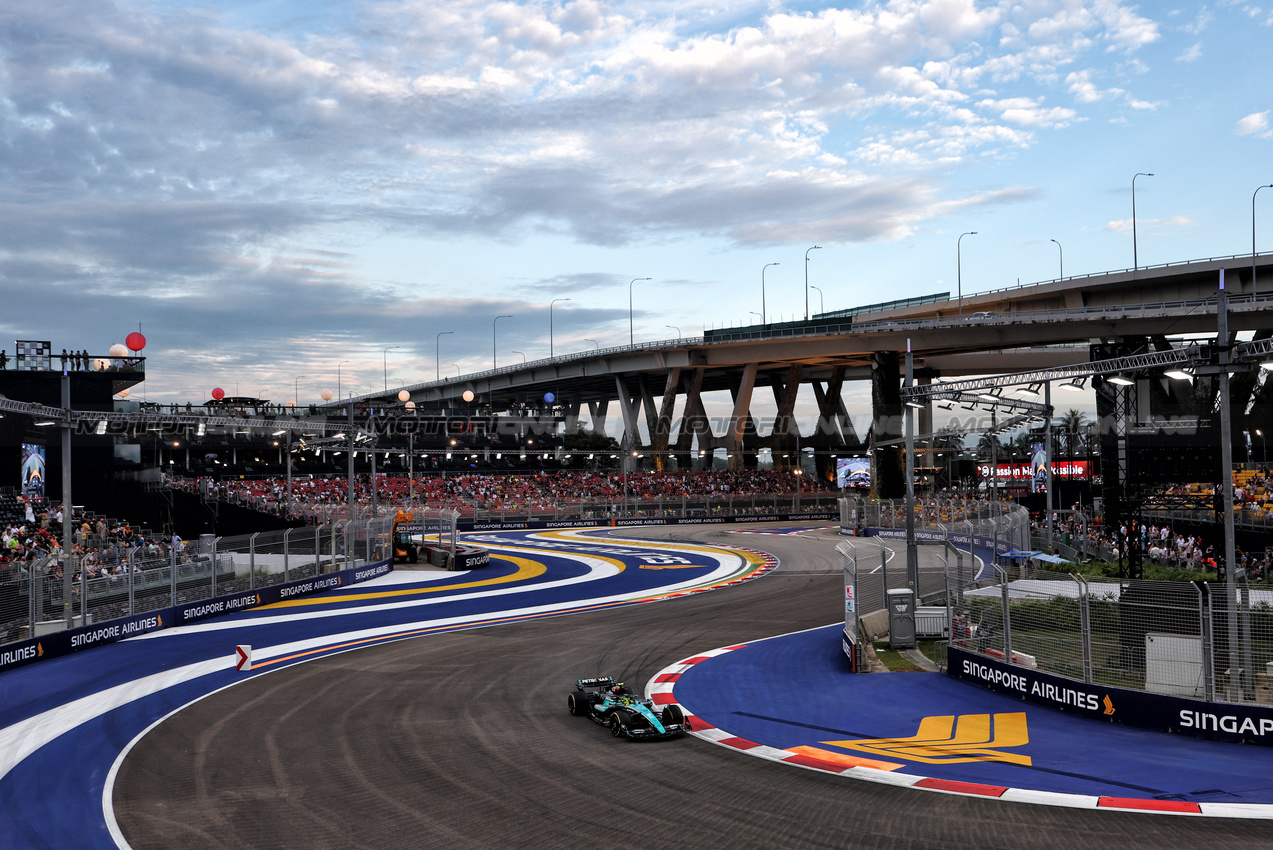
612 704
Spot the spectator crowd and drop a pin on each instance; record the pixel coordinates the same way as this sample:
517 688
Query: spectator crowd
510 493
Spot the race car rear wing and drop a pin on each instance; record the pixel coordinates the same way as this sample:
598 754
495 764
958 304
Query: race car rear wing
595 682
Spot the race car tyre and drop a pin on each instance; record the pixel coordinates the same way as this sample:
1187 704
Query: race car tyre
576 703
616 724
673 716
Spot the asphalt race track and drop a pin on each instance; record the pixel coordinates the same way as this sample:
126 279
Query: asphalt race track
462 739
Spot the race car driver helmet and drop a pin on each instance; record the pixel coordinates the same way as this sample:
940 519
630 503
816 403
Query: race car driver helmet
619 689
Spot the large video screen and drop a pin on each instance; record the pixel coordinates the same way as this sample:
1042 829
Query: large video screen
33 470
854 472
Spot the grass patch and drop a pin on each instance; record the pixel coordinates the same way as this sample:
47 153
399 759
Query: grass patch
893 659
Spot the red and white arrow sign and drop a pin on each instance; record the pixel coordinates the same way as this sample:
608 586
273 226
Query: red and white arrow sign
243 657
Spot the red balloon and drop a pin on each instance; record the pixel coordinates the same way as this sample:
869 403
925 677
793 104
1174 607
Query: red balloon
135 341
218 393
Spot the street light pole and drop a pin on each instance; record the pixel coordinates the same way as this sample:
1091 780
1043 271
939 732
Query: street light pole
1135 255
384 362
806 279
437 355
1253 194
457 368
764 310
631 335
338 365
595 344
822 302
675 328
523 357
296 392
494 361
1061 252
550 324
959 268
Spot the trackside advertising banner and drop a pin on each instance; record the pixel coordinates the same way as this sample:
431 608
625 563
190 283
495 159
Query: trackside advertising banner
628 521
1251 724
960 540
72 640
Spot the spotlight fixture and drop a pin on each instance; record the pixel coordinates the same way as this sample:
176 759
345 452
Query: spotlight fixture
1179 374
1077 385
1120 380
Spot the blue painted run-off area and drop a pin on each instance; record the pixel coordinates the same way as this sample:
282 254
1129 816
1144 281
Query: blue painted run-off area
796 690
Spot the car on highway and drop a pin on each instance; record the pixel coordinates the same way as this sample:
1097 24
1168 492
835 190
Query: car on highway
613 704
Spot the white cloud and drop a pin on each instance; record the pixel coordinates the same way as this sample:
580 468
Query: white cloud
1145 225
1191 54
153 152
1029 112
1256 124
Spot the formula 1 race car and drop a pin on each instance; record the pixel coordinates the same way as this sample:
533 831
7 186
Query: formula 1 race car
612 704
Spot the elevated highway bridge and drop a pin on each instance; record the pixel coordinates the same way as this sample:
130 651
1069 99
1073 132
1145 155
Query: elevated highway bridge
1030 327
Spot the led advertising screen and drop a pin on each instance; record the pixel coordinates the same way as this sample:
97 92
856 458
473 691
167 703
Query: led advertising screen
1038 468
33 468
853 472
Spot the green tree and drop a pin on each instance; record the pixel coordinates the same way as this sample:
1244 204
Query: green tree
582 443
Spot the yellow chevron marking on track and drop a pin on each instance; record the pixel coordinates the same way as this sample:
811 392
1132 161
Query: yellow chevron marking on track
845 759
940 740
526 569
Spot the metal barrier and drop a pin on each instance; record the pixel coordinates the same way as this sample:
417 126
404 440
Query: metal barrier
122 582
1162 637
997 525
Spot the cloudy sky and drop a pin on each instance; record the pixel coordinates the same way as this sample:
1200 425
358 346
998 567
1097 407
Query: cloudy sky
270 188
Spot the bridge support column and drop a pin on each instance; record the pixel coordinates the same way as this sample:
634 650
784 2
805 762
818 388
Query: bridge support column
661 434
834 429
631 434
597 412
694 424
740 418
646 402
781 440
887 474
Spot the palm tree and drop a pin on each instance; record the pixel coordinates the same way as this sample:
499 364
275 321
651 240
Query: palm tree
1073 425
985 444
